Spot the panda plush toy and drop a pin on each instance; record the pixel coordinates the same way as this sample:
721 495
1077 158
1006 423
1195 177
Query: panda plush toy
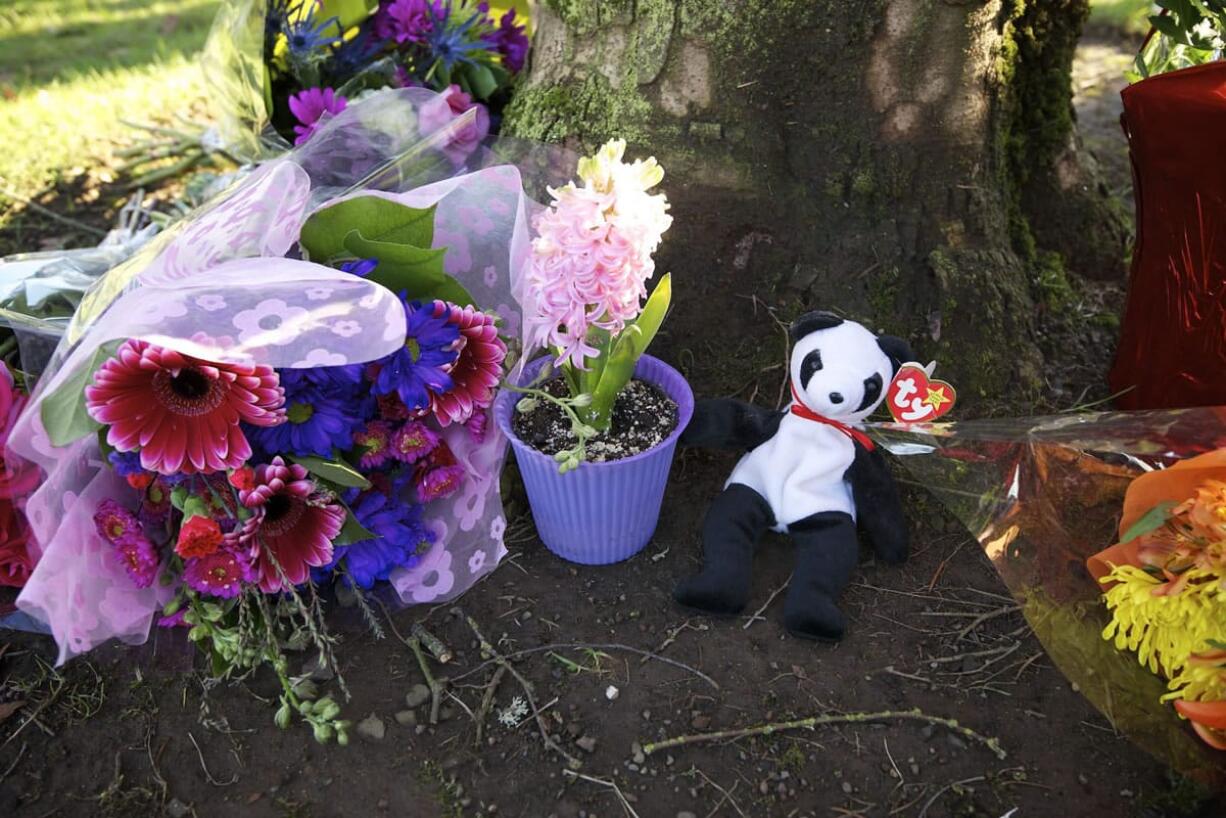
809 472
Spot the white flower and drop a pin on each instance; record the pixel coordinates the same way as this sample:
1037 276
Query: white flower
211 303
272 321
347 329
321 357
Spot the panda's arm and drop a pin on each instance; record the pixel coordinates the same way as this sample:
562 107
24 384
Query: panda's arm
725 423
878 506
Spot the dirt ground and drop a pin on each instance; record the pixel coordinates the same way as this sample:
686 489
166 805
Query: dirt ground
135 732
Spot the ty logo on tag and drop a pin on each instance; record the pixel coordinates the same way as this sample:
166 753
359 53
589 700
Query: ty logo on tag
915 397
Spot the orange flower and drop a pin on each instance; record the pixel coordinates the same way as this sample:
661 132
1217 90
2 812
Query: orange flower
198 537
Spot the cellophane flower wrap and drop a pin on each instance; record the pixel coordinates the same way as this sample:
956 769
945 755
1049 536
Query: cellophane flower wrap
1045 495
242 412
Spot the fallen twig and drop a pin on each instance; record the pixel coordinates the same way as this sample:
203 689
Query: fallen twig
432 643
621 798
437 686
758 613
832 718
488 648
487 702
203 766
592 646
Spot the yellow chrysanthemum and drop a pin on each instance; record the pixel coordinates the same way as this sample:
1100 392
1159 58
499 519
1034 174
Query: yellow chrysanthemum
1164 629
1203 679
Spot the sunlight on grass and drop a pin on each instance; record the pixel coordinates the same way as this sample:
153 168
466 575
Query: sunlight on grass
1127 15
70 70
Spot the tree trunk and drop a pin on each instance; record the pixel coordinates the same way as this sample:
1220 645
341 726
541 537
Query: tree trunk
908 162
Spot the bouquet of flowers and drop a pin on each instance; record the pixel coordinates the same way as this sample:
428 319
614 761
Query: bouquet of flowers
287 391
1165 586
1042 496
293 62
1188 32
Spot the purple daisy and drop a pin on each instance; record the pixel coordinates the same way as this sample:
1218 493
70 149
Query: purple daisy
376 440
413 441
317 421
309 105
220 574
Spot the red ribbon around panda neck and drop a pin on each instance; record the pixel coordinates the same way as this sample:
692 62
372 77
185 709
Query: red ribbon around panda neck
800 410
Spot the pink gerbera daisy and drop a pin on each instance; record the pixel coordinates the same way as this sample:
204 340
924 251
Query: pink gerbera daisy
476 373
182 413
220 574
293 525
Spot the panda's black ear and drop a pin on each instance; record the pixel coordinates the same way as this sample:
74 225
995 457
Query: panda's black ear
896 349
812 322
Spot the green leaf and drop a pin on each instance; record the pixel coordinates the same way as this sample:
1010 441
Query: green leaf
1153 519
335 471
629 345
415 271
353 531
378 219
482 80
63 411
348 12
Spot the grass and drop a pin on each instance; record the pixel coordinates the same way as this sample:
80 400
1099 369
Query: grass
1130 16
71 70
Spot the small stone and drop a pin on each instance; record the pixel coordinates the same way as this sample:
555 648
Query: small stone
927 731
646 715
611 692
417 695
1126 793
587 744
847 788
636 750
956 742
446 713
372 728
686 814
177 809
634 768
701 722
574 729
915 768
1083 780
406 717
669 761
764 787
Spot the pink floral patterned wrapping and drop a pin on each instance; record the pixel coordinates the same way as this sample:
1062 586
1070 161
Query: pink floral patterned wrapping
220 287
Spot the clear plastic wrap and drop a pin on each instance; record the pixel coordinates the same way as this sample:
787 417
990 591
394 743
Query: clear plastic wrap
1041 495
219 286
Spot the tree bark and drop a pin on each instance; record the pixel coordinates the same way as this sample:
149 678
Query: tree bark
911 163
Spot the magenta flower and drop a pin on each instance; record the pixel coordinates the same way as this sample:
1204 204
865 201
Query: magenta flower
407 21
221 574
114 522
476 373
413 441
439 115
439 475
308 107
592 256
182 413
292 528
511 41
376 439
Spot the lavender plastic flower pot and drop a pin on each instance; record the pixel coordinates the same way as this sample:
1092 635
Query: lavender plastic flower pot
599 513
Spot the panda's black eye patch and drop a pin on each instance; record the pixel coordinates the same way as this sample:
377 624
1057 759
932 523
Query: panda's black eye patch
812 363
872 391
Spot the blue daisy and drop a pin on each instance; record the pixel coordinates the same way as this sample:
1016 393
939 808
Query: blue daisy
420 367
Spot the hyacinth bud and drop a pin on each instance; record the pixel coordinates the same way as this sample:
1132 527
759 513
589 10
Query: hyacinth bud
283 716
526 404
581 401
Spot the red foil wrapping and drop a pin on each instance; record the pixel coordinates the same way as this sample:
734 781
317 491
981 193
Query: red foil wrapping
1172 350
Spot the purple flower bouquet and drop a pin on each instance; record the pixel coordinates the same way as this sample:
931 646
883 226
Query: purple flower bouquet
289 389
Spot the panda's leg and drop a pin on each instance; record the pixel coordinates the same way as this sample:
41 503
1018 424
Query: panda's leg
826 553
734 523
